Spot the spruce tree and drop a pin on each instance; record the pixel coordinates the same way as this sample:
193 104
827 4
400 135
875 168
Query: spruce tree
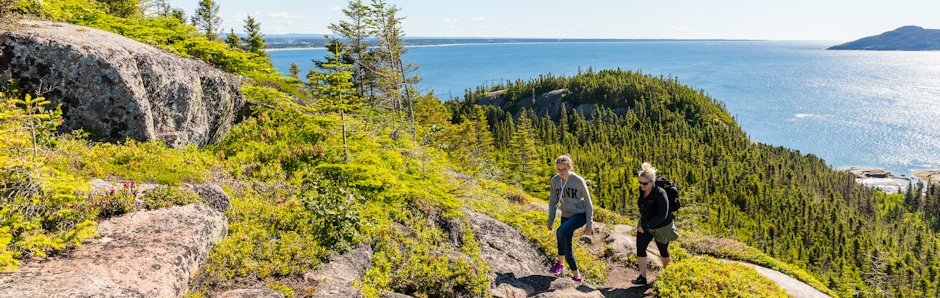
254 42
354 32
294 71
335 91
396 81
123 8
207 18
524 160
232 39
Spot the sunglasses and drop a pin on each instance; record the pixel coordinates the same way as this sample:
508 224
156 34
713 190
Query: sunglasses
645 183
562 169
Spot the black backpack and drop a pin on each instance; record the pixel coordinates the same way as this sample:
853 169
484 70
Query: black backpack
672 193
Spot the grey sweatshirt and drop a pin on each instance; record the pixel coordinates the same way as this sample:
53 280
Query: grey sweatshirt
574 197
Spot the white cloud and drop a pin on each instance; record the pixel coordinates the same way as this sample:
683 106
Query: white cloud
449 20
479 19
283 15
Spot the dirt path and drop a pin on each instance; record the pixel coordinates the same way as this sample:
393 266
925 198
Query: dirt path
619 275
793 286
618 283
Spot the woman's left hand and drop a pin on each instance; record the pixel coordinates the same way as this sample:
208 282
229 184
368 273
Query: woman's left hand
588 231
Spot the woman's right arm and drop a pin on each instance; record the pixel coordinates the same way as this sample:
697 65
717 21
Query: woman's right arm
552 203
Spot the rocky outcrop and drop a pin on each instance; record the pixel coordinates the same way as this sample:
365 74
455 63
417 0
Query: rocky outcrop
504 248
869 172
335 277
252 293
519 269
117 88
142 254
548 103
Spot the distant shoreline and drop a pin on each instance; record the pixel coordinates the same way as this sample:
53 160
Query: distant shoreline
885 180
278 44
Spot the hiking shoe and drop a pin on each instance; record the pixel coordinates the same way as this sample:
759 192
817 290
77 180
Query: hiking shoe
640 280
577 279
556 270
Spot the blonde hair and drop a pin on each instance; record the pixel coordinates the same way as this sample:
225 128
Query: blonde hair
565 159
647 171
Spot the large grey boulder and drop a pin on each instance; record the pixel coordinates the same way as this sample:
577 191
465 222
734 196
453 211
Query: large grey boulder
117 88
142 254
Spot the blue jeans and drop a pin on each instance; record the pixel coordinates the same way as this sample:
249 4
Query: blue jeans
565 235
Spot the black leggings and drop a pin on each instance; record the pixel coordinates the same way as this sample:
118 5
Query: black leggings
643 240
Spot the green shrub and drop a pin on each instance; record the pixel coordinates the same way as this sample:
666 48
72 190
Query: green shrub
43 210
165 196
288 292
268 236
708 277
731 249
136 161
115 201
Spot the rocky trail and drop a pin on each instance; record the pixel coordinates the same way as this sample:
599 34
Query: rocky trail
173 242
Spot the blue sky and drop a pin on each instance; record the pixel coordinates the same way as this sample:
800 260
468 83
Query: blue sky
833 20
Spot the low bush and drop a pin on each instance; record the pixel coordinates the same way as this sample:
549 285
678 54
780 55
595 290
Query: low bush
704 276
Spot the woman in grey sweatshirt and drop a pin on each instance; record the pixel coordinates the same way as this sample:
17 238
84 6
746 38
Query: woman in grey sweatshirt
570 190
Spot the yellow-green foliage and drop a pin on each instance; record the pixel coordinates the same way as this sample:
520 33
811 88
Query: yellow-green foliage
705 276
164 196
7 257
150 161
731 249
267 237
277 143
418 260
42 209
405 186
288 292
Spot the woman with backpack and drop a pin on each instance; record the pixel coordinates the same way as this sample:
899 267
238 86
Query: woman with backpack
656 222
569 189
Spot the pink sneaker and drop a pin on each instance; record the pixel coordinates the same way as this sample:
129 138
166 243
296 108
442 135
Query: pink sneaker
577 279
556 270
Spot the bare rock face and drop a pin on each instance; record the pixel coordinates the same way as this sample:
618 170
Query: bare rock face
142 254
252 293
505 249
117 88
335 277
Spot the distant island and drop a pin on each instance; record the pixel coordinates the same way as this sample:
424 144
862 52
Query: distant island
907 38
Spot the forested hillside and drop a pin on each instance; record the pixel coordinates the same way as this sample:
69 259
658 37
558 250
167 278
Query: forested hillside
791 205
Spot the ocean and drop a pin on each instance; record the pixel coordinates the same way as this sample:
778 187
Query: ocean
851 108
